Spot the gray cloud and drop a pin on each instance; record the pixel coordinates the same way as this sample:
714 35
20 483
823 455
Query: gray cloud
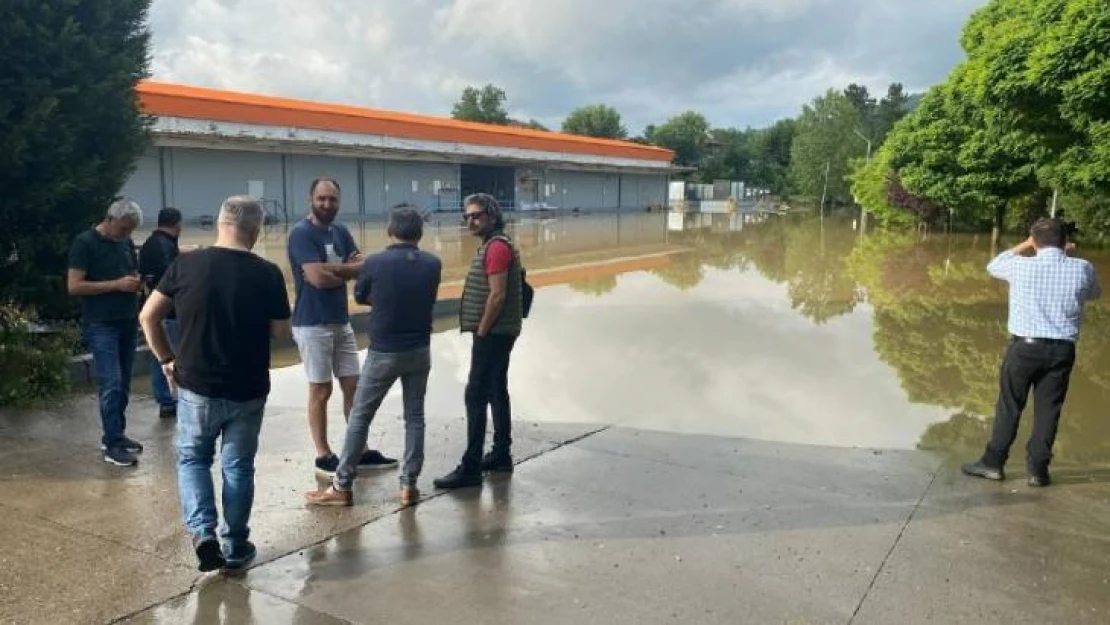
741 62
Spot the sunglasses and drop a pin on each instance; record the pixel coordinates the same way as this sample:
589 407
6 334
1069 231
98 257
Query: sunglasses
473 216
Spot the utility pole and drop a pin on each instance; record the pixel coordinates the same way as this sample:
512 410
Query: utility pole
825 191
867 160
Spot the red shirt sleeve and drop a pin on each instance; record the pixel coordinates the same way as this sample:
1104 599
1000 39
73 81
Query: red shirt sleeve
498 257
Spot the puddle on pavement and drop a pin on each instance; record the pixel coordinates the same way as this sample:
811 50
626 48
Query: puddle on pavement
782 330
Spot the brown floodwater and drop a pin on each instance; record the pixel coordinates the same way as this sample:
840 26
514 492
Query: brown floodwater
784 330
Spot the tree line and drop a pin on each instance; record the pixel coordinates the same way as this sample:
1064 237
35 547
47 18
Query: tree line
789 157
1020 126
1021 123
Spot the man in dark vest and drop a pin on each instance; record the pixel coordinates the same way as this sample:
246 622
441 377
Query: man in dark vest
492 309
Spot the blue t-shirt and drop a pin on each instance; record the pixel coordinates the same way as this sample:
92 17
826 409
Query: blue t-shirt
311 244
400 284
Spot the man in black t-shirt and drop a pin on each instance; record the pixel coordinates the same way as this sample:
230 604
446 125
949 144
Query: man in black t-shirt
103 272
229 304
155 257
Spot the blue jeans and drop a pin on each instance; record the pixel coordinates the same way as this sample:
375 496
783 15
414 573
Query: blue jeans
158 383
379 372
112 344
200 421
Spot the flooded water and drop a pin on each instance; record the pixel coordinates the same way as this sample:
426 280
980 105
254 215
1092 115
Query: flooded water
547 242
784 330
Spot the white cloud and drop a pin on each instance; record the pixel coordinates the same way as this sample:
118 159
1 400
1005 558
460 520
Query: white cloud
742 62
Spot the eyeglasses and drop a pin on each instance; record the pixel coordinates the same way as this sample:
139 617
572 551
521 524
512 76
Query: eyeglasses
473 216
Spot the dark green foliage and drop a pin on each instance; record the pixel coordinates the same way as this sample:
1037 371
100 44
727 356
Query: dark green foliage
70 132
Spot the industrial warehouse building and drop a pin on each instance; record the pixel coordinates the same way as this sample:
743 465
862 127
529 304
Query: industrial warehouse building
209 144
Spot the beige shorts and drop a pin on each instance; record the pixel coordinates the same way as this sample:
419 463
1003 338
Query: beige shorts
327 351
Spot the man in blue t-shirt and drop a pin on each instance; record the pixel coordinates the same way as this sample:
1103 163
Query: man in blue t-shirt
323 256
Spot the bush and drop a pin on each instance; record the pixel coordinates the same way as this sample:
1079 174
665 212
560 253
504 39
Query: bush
34 361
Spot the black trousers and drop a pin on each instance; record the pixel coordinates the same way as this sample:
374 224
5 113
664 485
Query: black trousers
1045 366
488 385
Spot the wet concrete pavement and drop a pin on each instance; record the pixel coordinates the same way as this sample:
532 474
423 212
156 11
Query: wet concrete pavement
741 435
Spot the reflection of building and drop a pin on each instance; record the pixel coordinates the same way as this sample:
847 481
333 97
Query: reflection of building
714 222
210 144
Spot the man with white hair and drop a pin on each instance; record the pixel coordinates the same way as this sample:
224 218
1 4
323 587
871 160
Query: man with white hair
103 272
229 303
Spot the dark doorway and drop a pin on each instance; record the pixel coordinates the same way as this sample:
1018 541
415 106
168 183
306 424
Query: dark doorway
491 179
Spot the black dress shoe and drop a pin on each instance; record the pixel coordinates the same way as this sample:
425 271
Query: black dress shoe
1039 480
978 469
458 479
497 463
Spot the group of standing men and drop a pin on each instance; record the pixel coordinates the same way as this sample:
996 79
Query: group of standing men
209 318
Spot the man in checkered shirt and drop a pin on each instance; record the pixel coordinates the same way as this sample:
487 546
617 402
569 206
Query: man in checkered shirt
1047 293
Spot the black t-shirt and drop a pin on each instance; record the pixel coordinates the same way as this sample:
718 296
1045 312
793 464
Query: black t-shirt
155 257
103 259
225 300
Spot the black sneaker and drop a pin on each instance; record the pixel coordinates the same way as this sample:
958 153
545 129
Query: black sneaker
120 457
373 459
167 412
127 445
500 463
209 555
458 479
238 559
326 465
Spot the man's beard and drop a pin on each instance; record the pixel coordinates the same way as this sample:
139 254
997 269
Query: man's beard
323 216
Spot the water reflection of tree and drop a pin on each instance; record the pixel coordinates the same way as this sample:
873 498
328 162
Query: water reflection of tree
818 282
808 257
684 272
940 322
599 285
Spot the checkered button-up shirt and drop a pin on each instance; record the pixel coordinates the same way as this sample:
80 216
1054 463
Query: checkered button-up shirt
1047 292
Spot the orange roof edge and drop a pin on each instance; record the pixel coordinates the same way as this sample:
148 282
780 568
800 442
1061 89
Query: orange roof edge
175 100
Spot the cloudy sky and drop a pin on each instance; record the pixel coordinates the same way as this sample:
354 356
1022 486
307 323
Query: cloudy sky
740 62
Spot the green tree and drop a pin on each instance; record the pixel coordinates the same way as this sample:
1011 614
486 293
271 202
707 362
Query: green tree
595 120
485 105
685 134
730 159
1048 61
70 132
769 150
825 141
865 105
964 156
891 108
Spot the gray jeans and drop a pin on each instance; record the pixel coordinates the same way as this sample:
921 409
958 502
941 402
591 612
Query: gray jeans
379 372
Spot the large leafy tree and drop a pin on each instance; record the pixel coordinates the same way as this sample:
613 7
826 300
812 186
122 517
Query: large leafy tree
70 132
769 151
1048 63
595 120
686 134
824 142
485 105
